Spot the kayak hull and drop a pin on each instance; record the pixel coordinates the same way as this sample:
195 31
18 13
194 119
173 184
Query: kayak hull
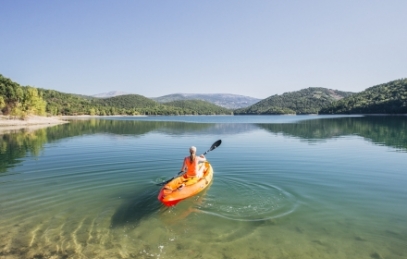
181 188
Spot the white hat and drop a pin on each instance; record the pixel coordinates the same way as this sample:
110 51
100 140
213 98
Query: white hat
192 148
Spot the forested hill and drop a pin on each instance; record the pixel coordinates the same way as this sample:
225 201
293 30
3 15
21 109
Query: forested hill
305 101
22 101
131 104
200 106
59 103
128 101
388 98
148 106
229 101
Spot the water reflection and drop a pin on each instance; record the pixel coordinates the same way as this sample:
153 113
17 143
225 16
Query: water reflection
382 130
87 199
18 144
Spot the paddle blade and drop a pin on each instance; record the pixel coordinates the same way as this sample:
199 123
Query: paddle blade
215 145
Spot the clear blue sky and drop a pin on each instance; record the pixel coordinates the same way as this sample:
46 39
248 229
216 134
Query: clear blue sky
154 48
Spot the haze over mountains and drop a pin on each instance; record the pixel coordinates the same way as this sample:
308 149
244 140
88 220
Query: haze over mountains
229 101
109 94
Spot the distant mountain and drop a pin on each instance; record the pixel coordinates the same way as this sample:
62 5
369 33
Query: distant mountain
109 94
305 101
229 101
385 98
203 107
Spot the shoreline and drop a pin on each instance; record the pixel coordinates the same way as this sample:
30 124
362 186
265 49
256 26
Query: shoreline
6 121
31 123
8 124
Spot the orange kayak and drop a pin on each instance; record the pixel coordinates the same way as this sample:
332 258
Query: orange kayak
180 188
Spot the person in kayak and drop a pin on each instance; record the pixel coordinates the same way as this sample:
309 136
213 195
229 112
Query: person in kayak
190 165
191 171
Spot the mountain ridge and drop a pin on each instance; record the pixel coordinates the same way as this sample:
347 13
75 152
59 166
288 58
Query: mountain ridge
305 101
386 98
226 100
110 94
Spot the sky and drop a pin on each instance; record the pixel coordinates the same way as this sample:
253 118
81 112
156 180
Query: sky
154 48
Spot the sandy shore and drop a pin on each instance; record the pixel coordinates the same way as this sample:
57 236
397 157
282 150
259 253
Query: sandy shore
8 124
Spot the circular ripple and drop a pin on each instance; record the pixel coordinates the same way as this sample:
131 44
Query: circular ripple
236 199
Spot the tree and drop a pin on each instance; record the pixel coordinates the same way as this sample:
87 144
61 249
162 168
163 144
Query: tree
2 103
33 103
92 111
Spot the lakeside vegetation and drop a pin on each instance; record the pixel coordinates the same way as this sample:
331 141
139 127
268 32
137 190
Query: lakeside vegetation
21 101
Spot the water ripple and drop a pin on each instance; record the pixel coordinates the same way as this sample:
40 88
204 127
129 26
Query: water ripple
248 201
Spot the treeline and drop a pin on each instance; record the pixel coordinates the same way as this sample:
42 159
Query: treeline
16 100
305 101
388 98
20 101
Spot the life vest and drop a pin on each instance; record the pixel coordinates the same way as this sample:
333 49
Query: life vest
191 167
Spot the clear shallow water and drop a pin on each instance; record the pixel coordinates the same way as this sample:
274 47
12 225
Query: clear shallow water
284 187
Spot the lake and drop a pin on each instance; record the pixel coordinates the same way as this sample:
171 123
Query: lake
284 187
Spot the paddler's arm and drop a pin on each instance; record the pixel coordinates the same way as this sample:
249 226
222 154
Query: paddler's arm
202 158
183 168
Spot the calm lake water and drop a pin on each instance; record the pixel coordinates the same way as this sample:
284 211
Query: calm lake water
284 187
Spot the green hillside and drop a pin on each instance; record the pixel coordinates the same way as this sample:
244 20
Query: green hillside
128 101
305 101
21 101
388 98
200 107
59 103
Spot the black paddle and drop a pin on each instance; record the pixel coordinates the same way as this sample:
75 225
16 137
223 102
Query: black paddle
214 145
